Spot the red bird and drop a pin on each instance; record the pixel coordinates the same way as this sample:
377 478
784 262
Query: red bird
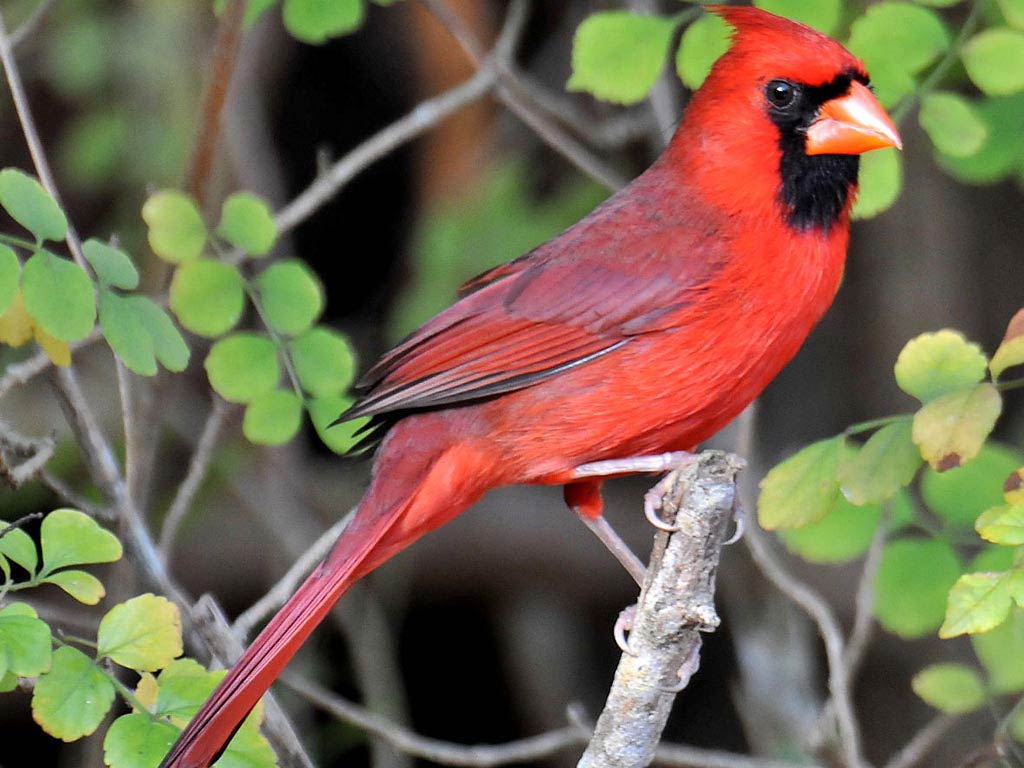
638 332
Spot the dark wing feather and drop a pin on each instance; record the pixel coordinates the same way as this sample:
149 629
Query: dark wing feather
625 270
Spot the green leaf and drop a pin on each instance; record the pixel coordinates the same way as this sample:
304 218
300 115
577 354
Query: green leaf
823 15
952 123
1001 153
112 265
1013 12
951 688
126 335
323 411
935 364
248 749
884 464
71 700
59 296
881 179
291 296
176 229
1002 525
904 33
703 42
207 296
273 418
8 682
617 55
69 537
143 633
912 584
842 535
31 206
316 21
1001 652
960 495
992 558
168 345
18 546
978 602
10 274
82 586
1011 349
803 488
951 429
183 687
247 223
994 60
25 644
137 741
324 361
243 366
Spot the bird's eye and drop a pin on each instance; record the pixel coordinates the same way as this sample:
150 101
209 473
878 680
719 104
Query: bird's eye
780 94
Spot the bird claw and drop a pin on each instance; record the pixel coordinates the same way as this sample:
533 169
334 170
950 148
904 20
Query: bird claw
739 515
623 624
652 503
687 670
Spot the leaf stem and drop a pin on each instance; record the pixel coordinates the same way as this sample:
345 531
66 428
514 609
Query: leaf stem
1007 386
867 426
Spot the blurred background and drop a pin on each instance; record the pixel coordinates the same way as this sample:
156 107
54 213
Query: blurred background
488 628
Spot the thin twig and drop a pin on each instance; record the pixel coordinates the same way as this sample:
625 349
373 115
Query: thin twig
286 585
458 29
99 457
215 91
76 500
923 742
35 452
132 438
197 469
20 522
815 606
31 24
35 144
20 374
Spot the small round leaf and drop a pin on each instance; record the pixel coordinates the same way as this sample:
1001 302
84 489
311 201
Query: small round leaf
994 60
273 418
1001 651
617 55
842 535
135 740
143 633
953 124
324 412
803 488
207 296
934 364
913 581
823 15
291 296
243 366
959 495
951 429
59 296
324 361
703 42
884 464
112 265
247 223
25 644
69 537
316 21
881 179
71 700
10 272
951 688
176 229
31 206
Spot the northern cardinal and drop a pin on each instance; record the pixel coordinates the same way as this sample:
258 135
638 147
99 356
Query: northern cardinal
638 332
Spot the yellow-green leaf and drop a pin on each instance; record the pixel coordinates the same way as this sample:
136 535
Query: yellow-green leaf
1002 525
881 179
823 15
951 429
1011 350
207 296
703 42
884 464
978 602
994 60
112 265
844 534
952 123
58 295
243 366
934 364
31 206
324 361
137 741
10 274
951 688
912 584
71 700
1001 652
803 488
316 21
82 586
70 537
18 546
291 296
273 418
247 223
960 495
143 633
25 642
176 229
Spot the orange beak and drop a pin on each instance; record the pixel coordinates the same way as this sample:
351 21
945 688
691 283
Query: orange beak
852 124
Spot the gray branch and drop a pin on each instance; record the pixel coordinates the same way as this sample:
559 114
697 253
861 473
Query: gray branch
676 605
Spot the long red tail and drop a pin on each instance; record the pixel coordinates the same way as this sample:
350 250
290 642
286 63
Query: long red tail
410 495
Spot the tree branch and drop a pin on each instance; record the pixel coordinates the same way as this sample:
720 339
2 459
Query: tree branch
923 741
675 606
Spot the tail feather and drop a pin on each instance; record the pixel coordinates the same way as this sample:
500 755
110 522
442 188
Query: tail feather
208 733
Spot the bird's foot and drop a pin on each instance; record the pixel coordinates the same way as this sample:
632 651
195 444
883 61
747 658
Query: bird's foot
623 625
654 502
739 516
687 670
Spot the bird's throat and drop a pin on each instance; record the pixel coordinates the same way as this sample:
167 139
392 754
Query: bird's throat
815 190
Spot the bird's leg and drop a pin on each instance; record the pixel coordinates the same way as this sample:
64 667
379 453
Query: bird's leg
585 500
662 462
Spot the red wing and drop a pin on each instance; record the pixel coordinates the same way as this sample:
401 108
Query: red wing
613 276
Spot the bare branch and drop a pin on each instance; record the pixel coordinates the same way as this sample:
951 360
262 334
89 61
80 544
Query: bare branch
215 91
815 606
923 741
76 500
20 374
20 522
283 589
197 469
35 144
675 606
35 452
31 24
458 29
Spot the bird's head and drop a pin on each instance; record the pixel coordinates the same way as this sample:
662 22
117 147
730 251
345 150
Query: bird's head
791 109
